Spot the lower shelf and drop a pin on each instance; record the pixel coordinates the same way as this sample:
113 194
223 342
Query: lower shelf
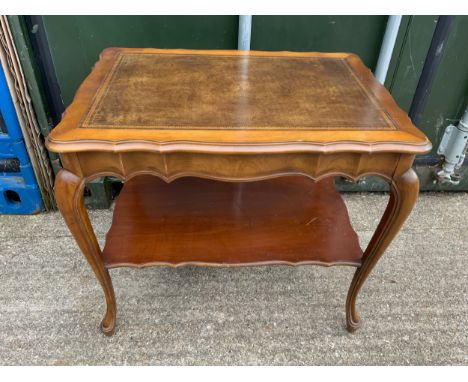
289 220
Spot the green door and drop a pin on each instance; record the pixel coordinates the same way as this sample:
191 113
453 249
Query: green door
75 42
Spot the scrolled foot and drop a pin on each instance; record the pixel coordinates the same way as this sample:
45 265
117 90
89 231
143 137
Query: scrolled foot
108 328
108 324
353 323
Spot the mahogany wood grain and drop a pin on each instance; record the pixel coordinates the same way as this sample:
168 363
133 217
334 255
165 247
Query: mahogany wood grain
288 220
70 200
231 101
158 118
404 193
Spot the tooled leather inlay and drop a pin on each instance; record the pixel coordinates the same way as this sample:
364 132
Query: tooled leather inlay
189 91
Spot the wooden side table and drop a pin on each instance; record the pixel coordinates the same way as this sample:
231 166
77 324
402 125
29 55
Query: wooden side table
274 127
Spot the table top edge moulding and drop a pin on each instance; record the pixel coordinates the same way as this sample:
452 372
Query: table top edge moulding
228 159
399 136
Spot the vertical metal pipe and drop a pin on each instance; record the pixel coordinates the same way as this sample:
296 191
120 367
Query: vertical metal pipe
245 29
41 50
431 64
386 50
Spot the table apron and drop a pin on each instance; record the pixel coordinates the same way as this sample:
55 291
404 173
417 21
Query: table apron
235 167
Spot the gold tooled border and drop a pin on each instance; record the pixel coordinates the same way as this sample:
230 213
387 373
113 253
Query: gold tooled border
105 86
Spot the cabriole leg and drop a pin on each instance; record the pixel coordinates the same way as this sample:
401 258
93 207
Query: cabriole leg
70 200
404 192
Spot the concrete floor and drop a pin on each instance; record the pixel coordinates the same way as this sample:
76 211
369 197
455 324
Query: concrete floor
414 305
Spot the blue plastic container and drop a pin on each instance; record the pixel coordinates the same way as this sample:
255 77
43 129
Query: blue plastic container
19 192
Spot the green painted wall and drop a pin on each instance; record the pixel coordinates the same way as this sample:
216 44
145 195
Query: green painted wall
449 95
76 41
411 47
357 34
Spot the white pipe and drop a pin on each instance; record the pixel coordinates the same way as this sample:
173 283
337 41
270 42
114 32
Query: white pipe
452 147
245 29
386 50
